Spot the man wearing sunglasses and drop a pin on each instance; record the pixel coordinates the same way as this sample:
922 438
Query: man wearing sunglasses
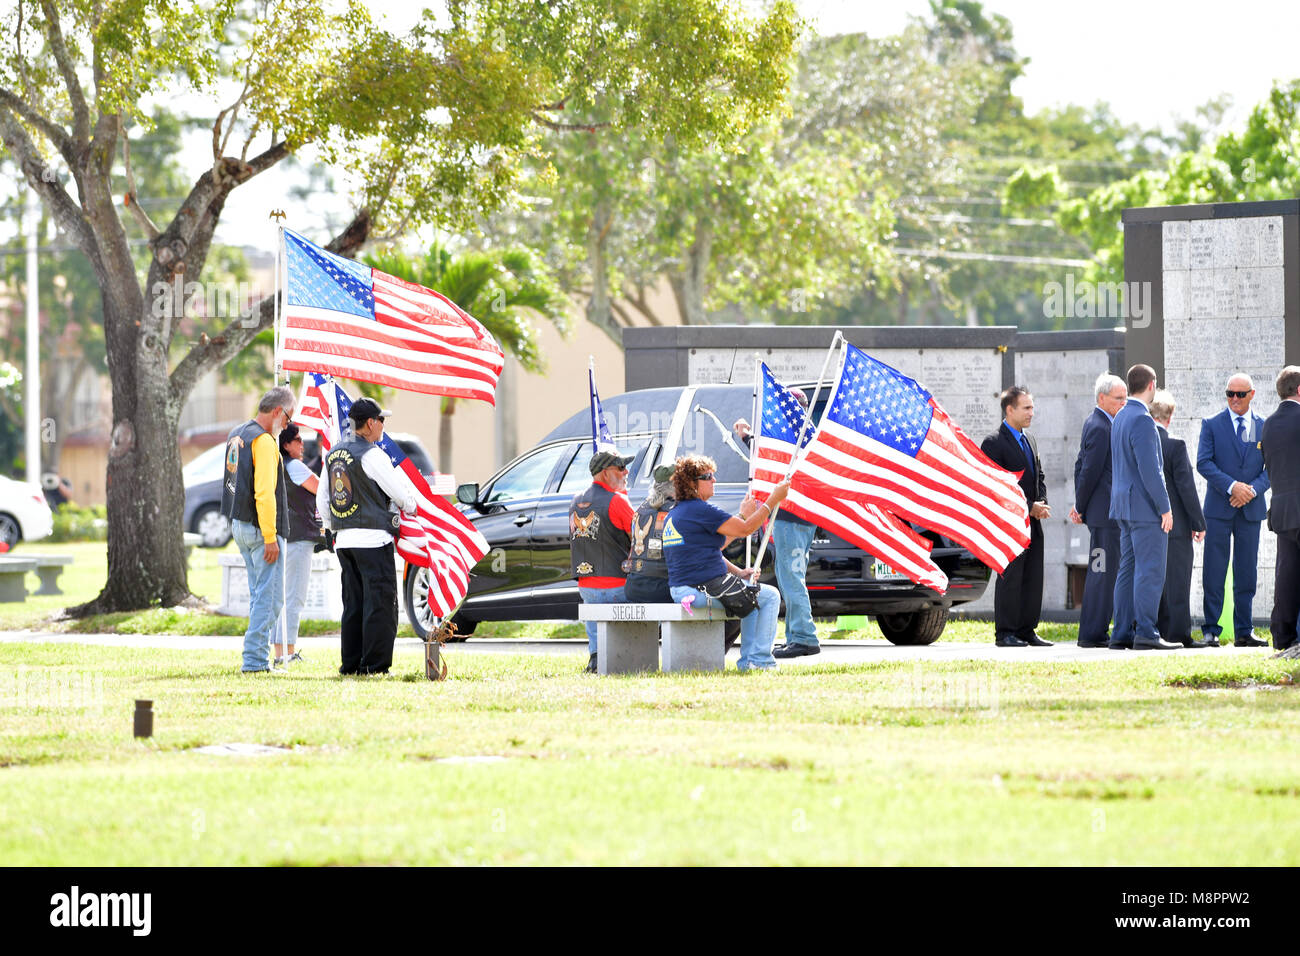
1230 459
600 535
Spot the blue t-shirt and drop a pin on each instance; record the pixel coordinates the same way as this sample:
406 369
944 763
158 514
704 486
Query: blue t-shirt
692 545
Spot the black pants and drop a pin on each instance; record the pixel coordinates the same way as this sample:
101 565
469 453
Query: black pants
1174 619
1286 590
1099 585
1018 596
369 609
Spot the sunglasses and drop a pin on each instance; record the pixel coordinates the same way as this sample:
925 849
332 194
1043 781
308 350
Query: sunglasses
1231 394
708 477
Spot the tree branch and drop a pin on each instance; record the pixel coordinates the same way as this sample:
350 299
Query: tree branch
56 133
80 113
568 127
67 214
133 195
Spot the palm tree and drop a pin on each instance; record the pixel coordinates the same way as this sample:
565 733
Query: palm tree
496 286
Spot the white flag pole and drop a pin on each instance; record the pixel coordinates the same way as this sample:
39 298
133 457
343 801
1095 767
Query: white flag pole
797 457
754 433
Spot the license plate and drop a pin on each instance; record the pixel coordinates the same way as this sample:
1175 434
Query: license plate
883 572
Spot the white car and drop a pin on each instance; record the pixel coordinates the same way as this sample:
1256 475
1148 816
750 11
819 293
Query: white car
24 515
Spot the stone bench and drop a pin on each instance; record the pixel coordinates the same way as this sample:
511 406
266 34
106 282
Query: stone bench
628 637
13 578
48 569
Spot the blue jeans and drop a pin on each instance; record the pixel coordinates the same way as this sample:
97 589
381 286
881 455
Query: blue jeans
792 541
757 628
599 596
1140 581
265 594
297 575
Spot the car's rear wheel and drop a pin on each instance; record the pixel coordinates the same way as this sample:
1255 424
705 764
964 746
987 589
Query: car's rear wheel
423 621
212 526
10 533
915 627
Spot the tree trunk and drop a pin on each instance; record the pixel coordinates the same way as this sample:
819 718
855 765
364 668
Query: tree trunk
690 284
146 554
445 422
599 310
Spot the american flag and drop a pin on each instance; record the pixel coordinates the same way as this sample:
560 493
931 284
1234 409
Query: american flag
349 320
601 436
881 535
437 536
323 408
884 440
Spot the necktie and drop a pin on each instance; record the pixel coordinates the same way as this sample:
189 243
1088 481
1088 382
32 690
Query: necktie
1029 457
1241 428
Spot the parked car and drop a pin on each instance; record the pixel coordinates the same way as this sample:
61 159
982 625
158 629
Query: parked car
24 513
523 510
202 479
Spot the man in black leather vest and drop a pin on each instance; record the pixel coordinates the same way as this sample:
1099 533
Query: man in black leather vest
252 497
600 533
358 500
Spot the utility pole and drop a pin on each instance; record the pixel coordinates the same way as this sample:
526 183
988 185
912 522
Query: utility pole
32 373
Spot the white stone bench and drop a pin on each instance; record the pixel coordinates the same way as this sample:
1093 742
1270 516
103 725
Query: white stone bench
48 569
13 575
628 637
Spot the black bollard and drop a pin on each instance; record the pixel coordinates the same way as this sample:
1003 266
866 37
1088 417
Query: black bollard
144 718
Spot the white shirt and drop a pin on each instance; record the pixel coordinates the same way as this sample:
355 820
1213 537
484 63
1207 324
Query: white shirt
392 481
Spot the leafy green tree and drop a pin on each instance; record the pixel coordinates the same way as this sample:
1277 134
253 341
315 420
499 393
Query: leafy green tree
500 288
433 124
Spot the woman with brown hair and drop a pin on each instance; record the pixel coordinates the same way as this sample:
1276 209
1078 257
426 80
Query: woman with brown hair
694 536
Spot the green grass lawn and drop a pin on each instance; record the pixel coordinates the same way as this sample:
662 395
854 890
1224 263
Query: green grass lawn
1136 760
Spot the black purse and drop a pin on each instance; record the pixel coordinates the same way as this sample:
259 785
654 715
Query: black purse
738 598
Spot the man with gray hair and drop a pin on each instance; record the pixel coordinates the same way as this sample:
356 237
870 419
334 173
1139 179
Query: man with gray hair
1280 446
253 498
1092 507
1229 458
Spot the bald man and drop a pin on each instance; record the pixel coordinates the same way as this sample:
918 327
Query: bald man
1232 464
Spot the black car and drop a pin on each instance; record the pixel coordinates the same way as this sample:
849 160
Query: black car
202 479
523 511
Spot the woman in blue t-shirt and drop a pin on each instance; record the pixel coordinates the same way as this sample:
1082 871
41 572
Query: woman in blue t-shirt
694 536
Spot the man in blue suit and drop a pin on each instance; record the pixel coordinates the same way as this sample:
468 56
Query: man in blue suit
1092 507
1230 459
1139 502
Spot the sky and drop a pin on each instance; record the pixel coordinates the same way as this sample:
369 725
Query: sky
1153 61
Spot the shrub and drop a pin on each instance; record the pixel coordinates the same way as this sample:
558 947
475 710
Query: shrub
74 523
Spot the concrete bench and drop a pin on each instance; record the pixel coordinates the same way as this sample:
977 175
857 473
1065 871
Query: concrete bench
48 569
628 637
13 578
191 541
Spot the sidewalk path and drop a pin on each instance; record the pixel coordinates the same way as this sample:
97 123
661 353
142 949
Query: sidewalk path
833 652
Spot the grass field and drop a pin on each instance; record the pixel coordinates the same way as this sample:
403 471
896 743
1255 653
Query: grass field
1133 760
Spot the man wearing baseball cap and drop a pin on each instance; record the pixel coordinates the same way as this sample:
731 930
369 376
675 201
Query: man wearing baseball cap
600 533
359 501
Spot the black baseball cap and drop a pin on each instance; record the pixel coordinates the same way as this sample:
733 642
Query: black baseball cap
364 409
608 459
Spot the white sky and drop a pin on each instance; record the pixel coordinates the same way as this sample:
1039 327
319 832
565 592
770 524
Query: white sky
1151 60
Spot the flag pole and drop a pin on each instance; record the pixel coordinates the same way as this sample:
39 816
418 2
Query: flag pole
754 436
797 457
591 400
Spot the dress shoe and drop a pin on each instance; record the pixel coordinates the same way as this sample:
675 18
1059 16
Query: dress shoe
1033 640
1248 640
1009 640
796 650
1094 643
591 665
1119 646
1158 644
1192 642
1211 640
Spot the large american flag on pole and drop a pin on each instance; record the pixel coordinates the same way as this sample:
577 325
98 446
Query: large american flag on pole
885 441
437 536
780 419
346 319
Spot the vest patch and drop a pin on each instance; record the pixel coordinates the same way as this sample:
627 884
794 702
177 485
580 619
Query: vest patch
342 504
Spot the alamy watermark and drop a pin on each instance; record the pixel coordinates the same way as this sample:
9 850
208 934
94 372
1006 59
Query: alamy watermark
221 300
26 689
1098 300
